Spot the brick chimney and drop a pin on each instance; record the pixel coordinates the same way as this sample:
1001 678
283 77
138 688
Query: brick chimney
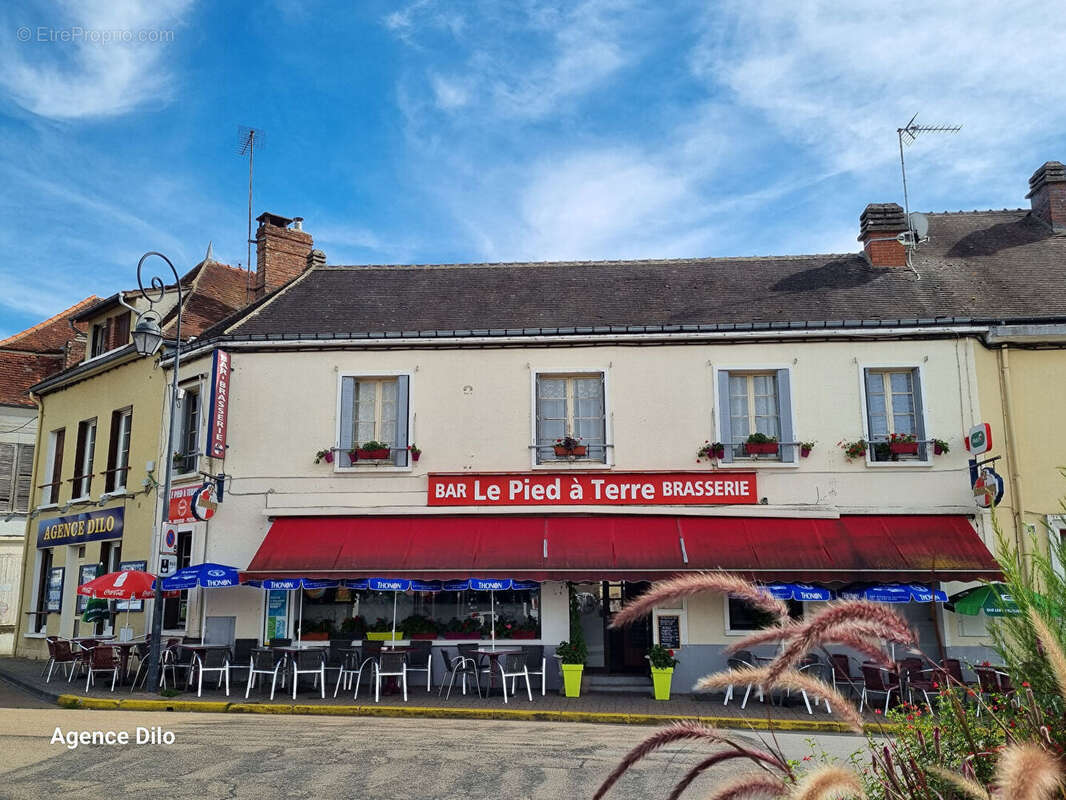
1047 193
879 225
282 252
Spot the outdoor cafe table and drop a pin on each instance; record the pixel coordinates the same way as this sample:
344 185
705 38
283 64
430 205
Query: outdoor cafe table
494 659
201 649
124 649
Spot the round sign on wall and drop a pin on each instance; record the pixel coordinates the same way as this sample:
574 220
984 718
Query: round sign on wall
203 503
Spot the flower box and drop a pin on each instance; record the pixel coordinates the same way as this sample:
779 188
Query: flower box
415 456
372 455
315 637
577 450
760 448
460 635
429 636
384 636
804 452
903 448
524 635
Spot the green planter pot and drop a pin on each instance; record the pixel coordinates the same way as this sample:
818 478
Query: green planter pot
660 678
383 636
572 679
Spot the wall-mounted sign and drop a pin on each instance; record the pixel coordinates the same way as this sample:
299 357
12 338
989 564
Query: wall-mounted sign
979 439
168 565
597 489
169 544
80 528
668 627
86 572
988 488
277 613
55 590
180 507
216 432
202 504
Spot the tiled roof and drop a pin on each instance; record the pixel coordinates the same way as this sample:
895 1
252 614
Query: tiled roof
213 291
20 371
976 264
52 334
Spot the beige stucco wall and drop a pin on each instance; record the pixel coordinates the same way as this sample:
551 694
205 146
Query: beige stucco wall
139 383
472 410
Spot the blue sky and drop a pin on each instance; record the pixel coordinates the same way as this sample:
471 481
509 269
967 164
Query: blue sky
430 132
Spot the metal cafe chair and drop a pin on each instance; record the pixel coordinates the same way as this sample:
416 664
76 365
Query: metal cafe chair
389 665
60 652
514 666
262 662
211 661
309 662
103 659
536 665
878 680
742 659
351 669
458 665
421 652
843 680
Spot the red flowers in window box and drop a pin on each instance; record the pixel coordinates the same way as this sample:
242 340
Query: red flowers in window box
570 446
902 444
761 444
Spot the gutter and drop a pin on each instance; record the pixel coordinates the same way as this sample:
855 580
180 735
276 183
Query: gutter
1015 476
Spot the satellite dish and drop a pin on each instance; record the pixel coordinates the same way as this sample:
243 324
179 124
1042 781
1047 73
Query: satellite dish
919 223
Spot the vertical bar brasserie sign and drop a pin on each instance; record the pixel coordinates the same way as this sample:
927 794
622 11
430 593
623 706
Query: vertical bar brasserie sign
220 375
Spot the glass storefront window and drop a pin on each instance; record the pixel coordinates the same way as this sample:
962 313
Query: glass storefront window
345 611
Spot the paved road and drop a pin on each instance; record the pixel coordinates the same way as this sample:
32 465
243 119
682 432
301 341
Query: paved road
263 757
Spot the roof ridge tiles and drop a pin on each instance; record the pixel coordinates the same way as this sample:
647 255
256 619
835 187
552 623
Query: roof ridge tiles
602 262
79 306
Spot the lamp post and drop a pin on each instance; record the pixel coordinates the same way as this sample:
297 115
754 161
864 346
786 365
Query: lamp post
147 339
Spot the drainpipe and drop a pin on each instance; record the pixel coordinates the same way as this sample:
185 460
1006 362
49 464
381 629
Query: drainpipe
21 618
1006 396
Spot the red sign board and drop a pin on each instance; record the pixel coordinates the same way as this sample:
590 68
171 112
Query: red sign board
595 489
216 435
181 504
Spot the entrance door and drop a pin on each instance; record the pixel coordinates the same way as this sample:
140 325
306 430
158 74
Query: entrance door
627 646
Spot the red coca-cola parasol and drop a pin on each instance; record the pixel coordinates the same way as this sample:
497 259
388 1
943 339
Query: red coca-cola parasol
130 584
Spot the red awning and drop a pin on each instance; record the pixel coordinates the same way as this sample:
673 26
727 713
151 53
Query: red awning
618 547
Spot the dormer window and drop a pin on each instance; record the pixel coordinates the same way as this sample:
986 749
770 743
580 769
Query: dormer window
109 334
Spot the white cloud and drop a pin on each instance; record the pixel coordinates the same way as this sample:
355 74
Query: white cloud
96 72
449 94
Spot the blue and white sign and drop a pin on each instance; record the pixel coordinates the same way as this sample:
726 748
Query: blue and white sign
802 592
354 583
209 576
490 584
897 593
291 584
456 586
524 585
426 586
389 584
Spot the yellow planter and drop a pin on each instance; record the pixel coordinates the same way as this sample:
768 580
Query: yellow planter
660 679
384 636
572 679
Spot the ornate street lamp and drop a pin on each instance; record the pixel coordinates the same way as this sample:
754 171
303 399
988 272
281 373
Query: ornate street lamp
147 338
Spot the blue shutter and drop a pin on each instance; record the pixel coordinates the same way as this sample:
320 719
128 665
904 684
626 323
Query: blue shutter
346 410
784 416
919 415
400 438
724 428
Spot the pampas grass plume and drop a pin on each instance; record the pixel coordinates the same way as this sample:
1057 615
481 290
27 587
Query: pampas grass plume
1027 772
828 782
670 591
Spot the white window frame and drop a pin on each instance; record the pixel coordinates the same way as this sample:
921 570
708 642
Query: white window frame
924 418
1056 523
194 386
88 454
125 424
721 406
376 466
608 419
50 463
680 611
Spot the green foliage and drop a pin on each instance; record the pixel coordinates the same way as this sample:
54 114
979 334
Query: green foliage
855 449
1033 582
574 651
417 623
761 438
374 444
711 450
661 658
353 625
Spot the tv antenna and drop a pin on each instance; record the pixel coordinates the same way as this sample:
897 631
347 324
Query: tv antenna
248 139
907 135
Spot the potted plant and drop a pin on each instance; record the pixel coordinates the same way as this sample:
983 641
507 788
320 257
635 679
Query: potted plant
759 444
381 631
415 451
902 444
940 447
351 628
371 451
662 670
526 629
711 450
805 448
418 626
466 628
325 454
569 446
855 449
318 631
574 653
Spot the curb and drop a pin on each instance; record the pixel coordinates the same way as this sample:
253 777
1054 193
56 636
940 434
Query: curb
29 688
430 712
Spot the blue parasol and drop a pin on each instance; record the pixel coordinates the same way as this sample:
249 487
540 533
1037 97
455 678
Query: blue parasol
206 576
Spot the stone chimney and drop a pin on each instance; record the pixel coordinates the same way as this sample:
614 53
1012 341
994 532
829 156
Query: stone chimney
282 252
1047 193
879 225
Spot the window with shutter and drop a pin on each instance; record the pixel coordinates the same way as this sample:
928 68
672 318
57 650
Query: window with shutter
120 330
374 409
24 477
894 410
755 401
118 450
84 457
50 489
8 454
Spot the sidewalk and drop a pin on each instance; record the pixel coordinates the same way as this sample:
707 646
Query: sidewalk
590 707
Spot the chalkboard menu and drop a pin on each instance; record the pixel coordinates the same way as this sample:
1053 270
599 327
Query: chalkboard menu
669 631
86 572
